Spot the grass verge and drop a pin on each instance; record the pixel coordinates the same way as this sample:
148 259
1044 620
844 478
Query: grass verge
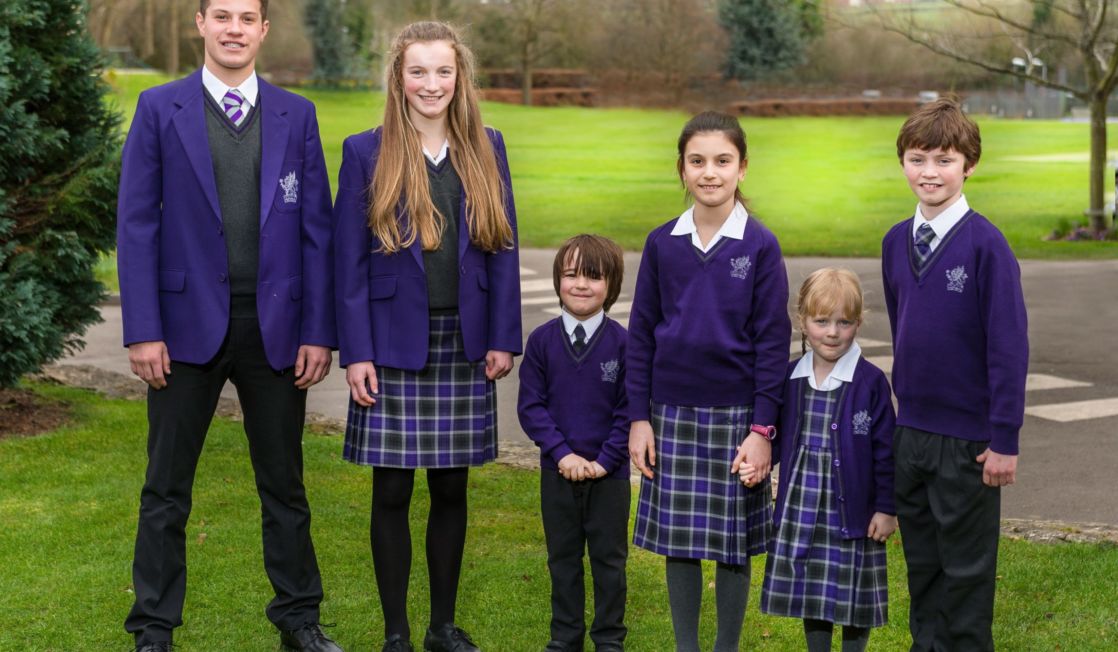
68 502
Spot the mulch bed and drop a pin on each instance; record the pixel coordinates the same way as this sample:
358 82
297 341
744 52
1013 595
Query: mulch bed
24 413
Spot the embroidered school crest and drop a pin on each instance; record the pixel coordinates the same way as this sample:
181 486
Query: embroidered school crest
290 187
609 371
861 422
739 267
956 279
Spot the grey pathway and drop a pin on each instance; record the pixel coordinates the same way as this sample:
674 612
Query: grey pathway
1069 444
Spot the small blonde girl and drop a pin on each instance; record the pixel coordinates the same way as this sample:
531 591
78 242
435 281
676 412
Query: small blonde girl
834 507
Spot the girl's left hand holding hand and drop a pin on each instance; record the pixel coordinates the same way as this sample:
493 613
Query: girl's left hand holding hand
498 364
757 451
882 526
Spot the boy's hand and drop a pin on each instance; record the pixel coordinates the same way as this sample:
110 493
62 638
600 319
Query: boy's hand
997 470
758 451
642 447
882 526
597 470
574 467
748 474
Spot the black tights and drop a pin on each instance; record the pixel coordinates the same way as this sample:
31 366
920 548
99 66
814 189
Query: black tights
391 541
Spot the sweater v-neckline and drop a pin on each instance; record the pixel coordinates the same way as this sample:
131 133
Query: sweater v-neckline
706 256
590 342
937 253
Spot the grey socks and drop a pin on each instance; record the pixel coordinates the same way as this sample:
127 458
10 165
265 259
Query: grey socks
685 594
818 635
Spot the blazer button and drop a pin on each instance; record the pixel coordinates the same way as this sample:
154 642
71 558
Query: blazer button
221 278
220 231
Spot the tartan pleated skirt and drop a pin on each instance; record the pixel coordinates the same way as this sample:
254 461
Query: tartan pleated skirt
693 507
812 570
443 416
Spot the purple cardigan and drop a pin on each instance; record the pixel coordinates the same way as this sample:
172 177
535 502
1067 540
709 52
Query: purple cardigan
713 332
864 455
382 298
171 255
572 404
960 334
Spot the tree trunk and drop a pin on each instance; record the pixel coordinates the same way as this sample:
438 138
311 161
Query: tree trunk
149 30
173 41
1096 214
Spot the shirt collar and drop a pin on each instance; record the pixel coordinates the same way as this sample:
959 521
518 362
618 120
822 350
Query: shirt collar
590 324
217 89
733 227
438 158
843 371
943 222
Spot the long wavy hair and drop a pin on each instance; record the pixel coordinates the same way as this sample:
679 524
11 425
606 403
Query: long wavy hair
400 178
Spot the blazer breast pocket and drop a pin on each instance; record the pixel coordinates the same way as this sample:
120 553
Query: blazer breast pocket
289 193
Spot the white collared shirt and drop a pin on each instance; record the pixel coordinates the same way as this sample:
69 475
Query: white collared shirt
733 227
437 158
590 324
217 89
842 372
943 222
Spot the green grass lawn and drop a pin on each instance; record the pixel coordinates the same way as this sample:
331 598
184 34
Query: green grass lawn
826 186
68 505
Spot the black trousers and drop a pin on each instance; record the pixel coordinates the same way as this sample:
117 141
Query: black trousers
949 523
178 417
590 515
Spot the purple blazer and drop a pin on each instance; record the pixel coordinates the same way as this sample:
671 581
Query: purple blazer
863 424
381 303
171 256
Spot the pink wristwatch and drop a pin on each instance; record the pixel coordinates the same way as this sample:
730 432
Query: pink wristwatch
768 432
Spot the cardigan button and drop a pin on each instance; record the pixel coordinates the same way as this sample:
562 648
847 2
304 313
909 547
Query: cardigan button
221 278
836 463
834 426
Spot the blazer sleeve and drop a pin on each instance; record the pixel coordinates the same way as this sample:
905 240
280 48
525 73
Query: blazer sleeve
352 244
771 332
503 270
318 325
139 218
531 405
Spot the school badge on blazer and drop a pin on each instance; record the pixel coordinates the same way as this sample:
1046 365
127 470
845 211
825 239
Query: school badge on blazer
290 186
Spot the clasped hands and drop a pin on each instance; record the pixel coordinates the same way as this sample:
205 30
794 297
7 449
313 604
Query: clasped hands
576 468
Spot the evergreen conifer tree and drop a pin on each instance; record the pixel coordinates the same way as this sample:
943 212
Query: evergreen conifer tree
59 167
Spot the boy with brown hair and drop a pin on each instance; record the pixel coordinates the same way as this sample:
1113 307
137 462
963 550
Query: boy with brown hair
572 404
960 346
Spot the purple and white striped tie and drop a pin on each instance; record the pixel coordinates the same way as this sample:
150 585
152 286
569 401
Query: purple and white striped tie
234 105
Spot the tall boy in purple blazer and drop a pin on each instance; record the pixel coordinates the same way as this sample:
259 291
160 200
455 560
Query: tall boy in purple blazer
961 352
223 246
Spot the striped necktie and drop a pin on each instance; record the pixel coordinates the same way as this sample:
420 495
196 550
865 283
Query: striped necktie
923 245
234 105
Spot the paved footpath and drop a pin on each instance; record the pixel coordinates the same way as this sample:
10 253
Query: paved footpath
1069 443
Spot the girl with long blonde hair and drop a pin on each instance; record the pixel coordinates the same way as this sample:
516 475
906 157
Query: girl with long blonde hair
428 300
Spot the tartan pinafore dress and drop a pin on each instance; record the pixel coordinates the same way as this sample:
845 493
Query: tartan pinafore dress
812 571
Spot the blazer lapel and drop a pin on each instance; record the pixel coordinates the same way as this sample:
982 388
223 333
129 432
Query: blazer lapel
190 123
273 145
